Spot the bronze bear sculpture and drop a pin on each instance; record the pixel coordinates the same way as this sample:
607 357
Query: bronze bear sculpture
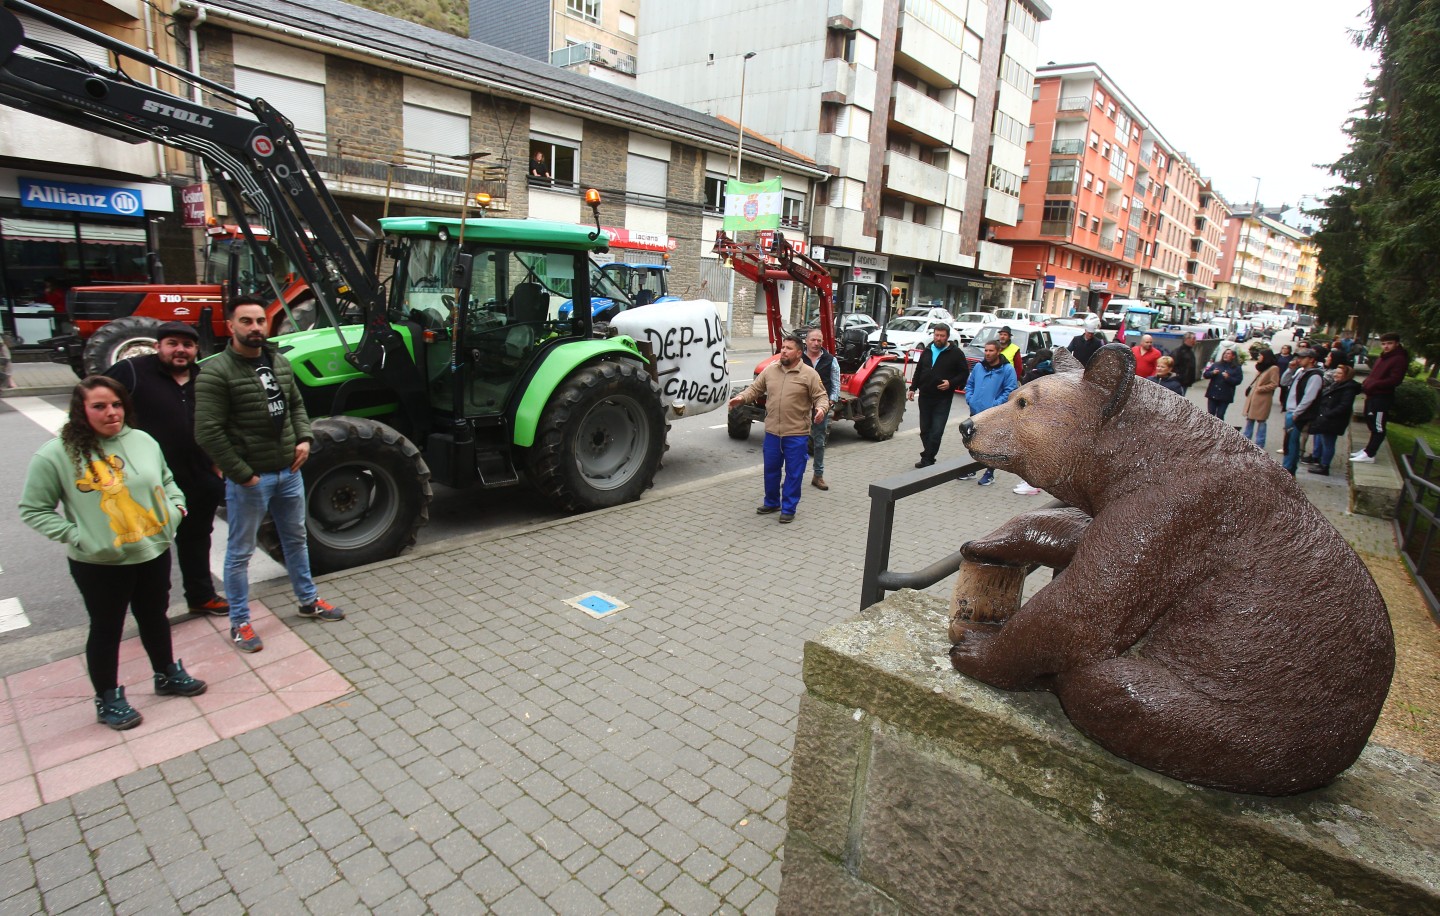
1248 652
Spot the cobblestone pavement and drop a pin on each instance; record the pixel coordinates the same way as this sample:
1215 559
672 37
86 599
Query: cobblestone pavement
504 752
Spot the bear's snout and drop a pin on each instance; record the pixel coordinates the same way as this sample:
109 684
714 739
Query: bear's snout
967 430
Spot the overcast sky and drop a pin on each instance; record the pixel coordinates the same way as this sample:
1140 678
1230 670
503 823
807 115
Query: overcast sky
1247 88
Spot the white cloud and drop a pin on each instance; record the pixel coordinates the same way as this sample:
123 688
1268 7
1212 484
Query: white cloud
1246 88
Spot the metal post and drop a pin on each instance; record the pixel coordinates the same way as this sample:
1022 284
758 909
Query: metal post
739 155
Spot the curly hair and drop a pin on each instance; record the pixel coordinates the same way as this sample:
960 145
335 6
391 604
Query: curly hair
79 436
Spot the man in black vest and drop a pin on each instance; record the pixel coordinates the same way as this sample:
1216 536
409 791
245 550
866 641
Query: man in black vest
162 386
824 364
941 371
1185 365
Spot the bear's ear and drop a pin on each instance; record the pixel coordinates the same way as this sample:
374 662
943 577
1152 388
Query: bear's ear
1112 369
1064 361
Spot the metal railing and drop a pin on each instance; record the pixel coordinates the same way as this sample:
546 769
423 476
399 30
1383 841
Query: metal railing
1074 103
878 578
593 52
1107 242
397 166
1416 524
1067 147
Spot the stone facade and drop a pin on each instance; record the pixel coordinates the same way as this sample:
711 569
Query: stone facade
685 182
604 155
364 108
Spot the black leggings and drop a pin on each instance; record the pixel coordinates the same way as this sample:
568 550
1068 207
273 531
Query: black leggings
107 590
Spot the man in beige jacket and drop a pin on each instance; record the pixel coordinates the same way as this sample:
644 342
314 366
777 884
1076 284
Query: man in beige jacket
794 400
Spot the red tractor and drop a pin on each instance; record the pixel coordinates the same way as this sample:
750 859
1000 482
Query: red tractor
872 376
116 322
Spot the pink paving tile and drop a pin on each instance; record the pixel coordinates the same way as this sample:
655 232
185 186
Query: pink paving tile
87 772
7 714
163 712
82 740
10 738
230 691
75 714
242 717
154 747
280 642
15 764
219 667
292 669
18 796
312 692
26 682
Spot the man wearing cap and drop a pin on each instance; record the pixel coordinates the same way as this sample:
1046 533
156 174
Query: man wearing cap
162 386
1084 346
1010 352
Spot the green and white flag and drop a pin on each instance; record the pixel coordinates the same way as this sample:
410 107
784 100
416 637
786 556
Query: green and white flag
752 206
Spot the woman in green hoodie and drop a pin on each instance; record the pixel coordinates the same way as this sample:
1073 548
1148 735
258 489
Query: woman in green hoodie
119 511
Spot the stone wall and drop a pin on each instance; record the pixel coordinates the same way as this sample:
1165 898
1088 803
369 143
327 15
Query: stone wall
364 108
916 790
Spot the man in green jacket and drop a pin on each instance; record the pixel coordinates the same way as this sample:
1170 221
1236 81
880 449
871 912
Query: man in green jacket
250 419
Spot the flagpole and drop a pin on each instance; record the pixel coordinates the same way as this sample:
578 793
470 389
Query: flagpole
739 155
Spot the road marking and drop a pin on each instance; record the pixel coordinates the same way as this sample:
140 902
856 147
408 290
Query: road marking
12 615
45 415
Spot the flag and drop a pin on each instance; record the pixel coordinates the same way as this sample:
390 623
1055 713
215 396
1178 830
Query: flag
752 206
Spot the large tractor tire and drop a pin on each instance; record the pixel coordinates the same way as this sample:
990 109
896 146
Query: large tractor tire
737 425
882 405
367 492
600 438
117 340
306 311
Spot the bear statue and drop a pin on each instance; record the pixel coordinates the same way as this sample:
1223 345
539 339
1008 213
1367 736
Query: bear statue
1204 620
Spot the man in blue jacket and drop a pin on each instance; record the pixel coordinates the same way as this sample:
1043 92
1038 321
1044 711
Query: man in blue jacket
989 384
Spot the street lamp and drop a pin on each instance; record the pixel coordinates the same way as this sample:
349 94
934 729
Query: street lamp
739 154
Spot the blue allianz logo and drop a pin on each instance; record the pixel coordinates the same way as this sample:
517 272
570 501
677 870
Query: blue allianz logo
86 198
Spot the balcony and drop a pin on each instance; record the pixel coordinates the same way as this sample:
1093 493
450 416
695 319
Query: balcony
1067 148
594 53
1141 186
929 54
911 240
405 174
921 115
1001 208
1112 210
1135 217
1060 227
1107 242
848 154
1077 106
914 179
994 258
1066 187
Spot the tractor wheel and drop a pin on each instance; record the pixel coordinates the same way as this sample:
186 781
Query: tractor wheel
367 492
306 311
600 438
882 405
117 340
737 425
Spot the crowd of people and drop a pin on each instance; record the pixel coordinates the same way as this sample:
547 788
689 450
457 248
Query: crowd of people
146 455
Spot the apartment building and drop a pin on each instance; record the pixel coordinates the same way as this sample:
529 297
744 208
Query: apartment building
1259 261
916 111
1108 206
1307 276
592 37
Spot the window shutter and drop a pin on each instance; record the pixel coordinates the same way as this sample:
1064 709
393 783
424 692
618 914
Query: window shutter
646 177
40 31
431 131
303 102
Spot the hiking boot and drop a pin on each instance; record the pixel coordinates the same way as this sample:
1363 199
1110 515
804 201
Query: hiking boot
245 639
1323 472
786 519
766 510
175 681
819 483
924 462
322 610
112 709
216 606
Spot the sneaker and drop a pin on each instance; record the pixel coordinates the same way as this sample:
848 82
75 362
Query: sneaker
175 681
987 478
322 610
1309 459
1362 458
216 606
1025 489
112 709
245 639
924 462
970 476
1323 472
1280 451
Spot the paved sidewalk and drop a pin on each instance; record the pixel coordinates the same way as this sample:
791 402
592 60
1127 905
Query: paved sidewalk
502 751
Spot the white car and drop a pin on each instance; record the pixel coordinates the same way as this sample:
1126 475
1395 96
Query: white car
1011 316
968 324
910 333
930 311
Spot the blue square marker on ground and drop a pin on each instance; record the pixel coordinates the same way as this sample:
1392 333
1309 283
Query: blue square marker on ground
597 605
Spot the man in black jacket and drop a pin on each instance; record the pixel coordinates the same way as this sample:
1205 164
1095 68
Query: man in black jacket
1337 403
1083 346
162 386
941 371
1184 356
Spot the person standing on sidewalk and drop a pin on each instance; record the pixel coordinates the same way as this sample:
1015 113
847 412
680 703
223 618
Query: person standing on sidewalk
162 387
941 371
1260 397
1385 376
120 510
1010 351
1336 405
250 418
1083 346
828 368
989 384
1225 376
1186 366
1306 383
1146 356
794 402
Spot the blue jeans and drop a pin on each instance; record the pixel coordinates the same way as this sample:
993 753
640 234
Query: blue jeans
1326 452
1258 427
934 414
819 438
1293 439
282 494
783 453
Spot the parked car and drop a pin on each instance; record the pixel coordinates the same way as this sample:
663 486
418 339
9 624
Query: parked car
858 320
1011 316
968 324
910 333
928 311
1030 338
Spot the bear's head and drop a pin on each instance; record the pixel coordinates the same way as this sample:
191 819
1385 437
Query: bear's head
1045 432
